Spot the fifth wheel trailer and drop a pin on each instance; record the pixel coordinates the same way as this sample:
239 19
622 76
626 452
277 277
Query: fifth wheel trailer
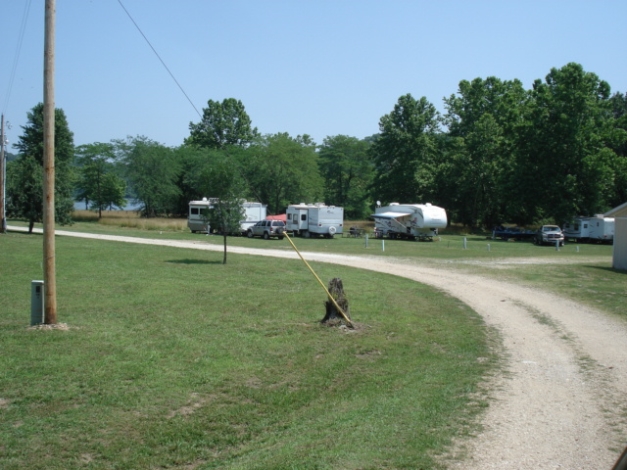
409 221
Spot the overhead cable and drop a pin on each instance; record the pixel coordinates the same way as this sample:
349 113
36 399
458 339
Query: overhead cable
159 57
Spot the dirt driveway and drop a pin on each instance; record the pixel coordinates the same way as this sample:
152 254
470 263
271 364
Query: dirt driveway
562 401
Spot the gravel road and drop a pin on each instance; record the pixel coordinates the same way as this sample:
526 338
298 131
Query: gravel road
561 401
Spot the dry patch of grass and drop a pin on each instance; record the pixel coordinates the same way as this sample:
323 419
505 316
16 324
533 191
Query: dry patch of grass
131 219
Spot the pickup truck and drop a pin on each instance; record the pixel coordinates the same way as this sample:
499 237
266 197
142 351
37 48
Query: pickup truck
549 234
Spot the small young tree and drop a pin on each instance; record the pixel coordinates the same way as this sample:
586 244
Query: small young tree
220 180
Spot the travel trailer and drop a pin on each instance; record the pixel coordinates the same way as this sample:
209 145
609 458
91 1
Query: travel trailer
253 212
409 221
308 220
590 229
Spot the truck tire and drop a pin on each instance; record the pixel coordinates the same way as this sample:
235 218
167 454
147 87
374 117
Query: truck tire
332 230
266 236
250 234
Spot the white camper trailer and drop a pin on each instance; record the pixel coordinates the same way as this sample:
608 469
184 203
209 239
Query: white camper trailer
409 221
253 212
591 229
317 219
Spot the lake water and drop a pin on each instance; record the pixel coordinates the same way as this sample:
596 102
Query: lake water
80 206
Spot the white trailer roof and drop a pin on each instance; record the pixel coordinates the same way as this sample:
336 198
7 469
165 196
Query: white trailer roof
390 215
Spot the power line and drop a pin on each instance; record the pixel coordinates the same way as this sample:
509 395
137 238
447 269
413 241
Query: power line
17 53
159 57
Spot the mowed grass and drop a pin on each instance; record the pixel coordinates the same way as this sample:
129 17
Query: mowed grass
173 360
452 244
579 271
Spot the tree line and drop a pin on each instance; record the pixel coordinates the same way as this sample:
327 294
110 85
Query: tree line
499 153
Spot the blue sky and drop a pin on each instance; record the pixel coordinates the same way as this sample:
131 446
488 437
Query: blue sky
319 67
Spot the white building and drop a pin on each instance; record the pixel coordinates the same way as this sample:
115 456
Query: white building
619 256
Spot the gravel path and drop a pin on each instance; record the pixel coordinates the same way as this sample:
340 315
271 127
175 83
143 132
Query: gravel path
561 403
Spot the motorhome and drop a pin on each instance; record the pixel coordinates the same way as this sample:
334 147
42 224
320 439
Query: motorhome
197 217
317 220
409 221
590 229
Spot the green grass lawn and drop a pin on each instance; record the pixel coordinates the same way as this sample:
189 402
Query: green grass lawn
587 275
173 360
449 246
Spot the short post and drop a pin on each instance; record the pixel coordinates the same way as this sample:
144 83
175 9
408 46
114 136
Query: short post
557 245
488 247
382 245
366 240
577 248
36 303
465 243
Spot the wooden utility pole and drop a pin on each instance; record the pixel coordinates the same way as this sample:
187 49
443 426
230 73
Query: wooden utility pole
50 283
3 181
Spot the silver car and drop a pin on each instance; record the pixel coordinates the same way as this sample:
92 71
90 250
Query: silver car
267 229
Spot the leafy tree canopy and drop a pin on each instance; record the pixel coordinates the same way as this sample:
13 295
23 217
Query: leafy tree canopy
222 125
347 171
405 152
151 170
282 170
98 182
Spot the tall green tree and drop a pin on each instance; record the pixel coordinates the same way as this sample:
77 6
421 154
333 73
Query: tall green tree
191 162
151 171
347 171
223 124
616 140
483 117
561 161
98 183
405 152
282 170
31 147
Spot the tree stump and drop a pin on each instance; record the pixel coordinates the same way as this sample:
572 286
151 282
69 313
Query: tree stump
333 316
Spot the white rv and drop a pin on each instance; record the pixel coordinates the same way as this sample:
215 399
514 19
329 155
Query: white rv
410 221
590 229
317 219
196 218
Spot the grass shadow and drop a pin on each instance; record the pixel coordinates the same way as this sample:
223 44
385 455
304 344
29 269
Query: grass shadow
193 261
611 270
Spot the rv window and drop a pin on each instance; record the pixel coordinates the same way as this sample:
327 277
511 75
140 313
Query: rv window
194 211
585 225
303 217
576 226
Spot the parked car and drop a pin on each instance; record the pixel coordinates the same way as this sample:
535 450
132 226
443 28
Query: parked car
549 234
267 229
